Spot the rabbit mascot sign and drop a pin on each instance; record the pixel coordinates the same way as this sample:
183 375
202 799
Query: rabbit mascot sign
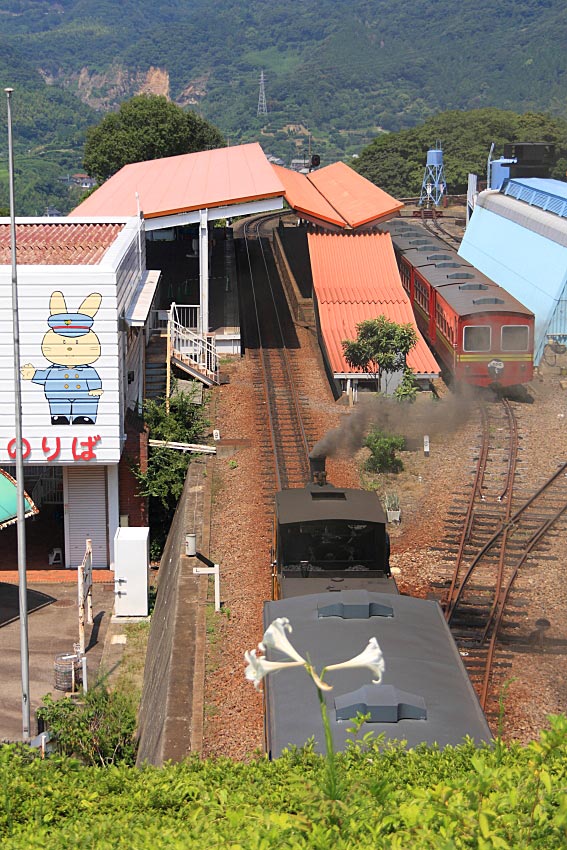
72 387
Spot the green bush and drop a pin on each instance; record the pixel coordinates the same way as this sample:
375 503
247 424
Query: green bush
460 798
383 448
98 728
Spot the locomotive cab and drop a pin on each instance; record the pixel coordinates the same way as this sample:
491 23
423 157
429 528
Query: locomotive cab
332 537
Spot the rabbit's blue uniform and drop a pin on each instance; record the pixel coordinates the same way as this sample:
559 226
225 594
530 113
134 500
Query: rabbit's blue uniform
67 390
67 387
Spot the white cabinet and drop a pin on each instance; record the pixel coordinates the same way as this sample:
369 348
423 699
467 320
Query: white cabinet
131 571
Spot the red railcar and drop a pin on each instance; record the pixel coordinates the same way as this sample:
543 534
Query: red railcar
481 334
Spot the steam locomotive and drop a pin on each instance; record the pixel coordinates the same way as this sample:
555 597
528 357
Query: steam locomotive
332 581
328 537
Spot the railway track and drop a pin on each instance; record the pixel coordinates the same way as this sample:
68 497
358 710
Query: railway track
270 341
499 534
433 226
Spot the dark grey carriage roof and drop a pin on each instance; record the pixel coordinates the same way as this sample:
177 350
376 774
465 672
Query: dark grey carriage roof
427 253
311 503
422 662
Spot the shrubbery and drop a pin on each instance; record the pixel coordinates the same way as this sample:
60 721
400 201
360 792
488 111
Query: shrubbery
383 449
97 728
504 798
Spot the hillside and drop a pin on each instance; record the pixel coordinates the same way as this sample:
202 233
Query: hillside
339 71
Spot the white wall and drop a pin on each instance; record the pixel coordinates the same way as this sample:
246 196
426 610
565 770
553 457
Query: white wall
114 278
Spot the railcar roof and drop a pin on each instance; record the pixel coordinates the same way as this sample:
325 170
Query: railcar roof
424 677
313 502
457 283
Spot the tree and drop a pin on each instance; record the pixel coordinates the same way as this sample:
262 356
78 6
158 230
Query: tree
145 127
381 347
396 161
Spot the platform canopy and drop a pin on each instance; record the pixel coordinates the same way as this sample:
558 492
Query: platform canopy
355 278
9 502
170 191
337 197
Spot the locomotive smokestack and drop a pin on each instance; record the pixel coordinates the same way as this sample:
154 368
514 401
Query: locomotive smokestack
317 468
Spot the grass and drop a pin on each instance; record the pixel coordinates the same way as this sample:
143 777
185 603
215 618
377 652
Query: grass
130 677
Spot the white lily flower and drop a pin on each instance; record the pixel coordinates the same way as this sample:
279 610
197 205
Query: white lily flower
370 657
275 638
260 667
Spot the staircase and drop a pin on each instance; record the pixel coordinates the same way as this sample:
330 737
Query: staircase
156 368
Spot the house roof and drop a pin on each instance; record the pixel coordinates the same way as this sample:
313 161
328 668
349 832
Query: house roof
58 243
355 277
337 195
192 181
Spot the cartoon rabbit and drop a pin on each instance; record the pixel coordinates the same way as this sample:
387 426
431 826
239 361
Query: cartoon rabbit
72 387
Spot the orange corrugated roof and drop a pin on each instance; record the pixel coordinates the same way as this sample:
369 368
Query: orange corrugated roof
190 181
58 243
338 195
357 199
355 277
302 195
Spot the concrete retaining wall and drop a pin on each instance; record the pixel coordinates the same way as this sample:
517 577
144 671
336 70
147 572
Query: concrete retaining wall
301 308
170 724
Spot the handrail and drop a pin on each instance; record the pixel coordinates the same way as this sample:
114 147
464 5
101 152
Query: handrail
196 350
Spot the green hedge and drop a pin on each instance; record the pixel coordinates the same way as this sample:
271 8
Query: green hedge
504 797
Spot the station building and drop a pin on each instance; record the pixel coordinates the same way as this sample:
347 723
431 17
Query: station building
517 236
83 329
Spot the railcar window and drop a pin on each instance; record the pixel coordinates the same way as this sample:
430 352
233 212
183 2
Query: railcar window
515 337
476 338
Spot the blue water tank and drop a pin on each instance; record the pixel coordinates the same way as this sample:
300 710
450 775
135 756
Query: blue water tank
435 157
499 172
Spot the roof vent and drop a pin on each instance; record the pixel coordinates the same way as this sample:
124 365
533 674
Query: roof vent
448 265
473 286
384 704
355 605
460 276
439 257
488 301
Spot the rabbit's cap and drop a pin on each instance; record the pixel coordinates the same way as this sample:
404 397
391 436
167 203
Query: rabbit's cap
70 324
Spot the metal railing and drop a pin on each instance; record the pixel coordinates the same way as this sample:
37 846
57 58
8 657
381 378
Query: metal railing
196 350
187 315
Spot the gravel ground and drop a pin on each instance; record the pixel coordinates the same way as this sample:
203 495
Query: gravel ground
427 487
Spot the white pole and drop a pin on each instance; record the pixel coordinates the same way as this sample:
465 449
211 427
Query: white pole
85 680
217 587
21 506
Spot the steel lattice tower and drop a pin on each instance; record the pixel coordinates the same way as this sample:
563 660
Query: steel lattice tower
262 106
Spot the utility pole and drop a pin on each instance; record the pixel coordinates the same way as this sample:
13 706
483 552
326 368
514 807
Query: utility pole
21 507
262 106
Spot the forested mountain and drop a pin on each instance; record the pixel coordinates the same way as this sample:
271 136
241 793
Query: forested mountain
340 71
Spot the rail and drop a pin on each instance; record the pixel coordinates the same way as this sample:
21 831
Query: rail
288 437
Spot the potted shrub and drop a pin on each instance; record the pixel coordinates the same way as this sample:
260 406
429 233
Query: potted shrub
391 503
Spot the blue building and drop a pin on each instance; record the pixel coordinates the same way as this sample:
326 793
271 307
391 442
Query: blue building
518 237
